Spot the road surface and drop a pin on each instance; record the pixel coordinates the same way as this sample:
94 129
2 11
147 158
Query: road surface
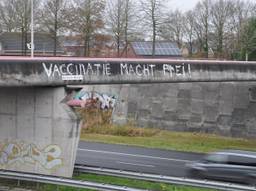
138 159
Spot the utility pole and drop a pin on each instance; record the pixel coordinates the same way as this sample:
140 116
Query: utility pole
32 29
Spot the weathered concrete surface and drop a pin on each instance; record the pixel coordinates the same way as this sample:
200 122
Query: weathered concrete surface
22 71
38 133
225 108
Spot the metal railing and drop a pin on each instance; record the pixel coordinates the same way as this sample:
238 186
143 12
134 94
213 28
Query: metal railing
166 179
63 181
107 187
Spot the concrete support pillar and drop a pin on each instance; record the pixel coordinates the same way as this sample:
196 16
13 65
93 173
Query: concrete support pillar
38 133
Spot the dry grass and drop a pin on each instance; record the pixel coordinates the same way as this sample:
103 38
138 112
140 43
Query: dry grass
97 121
94 117
117 130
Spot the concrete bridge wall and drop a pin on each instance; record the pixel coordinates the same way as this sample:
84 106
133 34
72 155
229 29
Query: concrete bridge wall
38 133
225 108
70 71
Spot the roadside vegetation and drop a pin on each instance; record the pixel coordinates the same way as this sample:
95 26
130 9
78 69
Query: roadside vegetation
146 185
99 129
190 142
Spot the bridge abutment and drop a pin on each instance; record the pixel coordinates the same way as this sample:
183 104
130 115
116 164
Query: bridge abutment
38 133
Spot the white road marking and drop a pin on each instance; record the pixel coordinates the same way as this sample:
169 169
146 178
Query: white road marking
134 155
136 164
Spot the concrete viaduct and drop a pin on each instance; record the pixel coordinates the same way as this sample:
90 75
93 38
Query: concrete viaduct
39 133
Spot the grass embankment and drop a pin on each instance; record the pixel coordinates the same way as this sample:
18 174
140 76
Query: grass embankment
98 129
151 138
107 180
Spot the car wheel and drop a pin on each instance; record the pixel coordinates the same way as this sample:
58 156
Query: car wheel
194 173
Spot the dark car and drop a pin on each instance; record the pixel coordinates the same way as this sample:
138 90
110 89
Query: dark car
229 165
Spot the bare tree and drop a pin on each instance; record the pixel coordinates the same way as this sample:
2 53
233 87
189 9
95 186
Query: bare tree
189 30
221 13
85 17
51 19
129 14
116 21
153 17
202 16
8 17
120 15
173 27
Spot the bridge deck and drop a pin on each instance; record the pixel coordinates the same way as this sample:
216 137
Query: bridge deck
61 71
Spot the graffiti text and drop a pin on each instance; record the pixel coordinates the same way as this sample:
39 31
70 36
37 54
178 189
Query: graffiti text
80 71
11 153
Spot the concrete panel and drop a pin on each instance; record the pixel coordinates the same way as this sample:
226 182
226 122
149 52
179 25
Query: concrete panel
132 106
211 97
25 101
172 91
210 114
184 109
241 96
157 109
197 106
25 127
227 91
226 107
170 103
38 135
7 102
44 103
185 94
7 127
43 130
121 109
185 86
196 92
238 116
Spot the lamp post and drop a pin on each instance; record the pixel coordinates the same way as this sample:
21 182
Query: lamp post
32 29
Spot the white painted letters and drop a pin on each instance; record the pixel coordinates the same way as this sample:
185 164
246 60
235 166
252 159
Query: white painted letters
69 71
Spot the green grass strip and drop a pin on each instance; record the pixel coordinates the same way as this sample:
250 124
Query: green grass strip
136 183
132 183
190 142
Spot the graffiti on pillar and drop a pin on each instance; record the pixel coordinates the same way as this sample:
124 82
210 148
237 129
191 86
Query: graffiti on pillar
93 99
13 153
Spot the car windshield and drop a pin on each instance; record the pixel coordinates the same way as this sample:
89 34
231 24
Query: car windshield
216 158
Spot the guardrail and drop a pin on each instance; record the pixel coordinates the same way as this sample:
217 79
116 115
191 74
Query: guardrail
166 179
63 181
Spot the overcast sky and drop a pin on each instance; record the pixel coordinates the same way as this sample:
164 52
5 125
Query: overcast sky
183 5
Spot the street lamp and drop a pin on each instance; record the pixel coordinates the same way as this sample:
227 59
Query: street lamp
32 29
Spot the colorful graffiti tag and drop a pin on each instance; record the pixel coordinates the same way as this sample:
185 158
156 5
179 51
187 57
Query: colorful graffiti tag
12 153
93 99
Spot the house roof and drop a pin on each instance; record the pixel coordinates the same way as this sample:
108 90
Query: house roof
12 41
162 48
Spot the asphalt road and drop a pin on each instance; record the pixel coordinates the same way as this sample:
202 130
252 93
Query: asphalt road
138 159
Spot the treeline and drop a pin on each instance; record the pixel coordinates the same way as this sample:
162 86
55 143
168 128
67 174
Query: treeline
225 29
